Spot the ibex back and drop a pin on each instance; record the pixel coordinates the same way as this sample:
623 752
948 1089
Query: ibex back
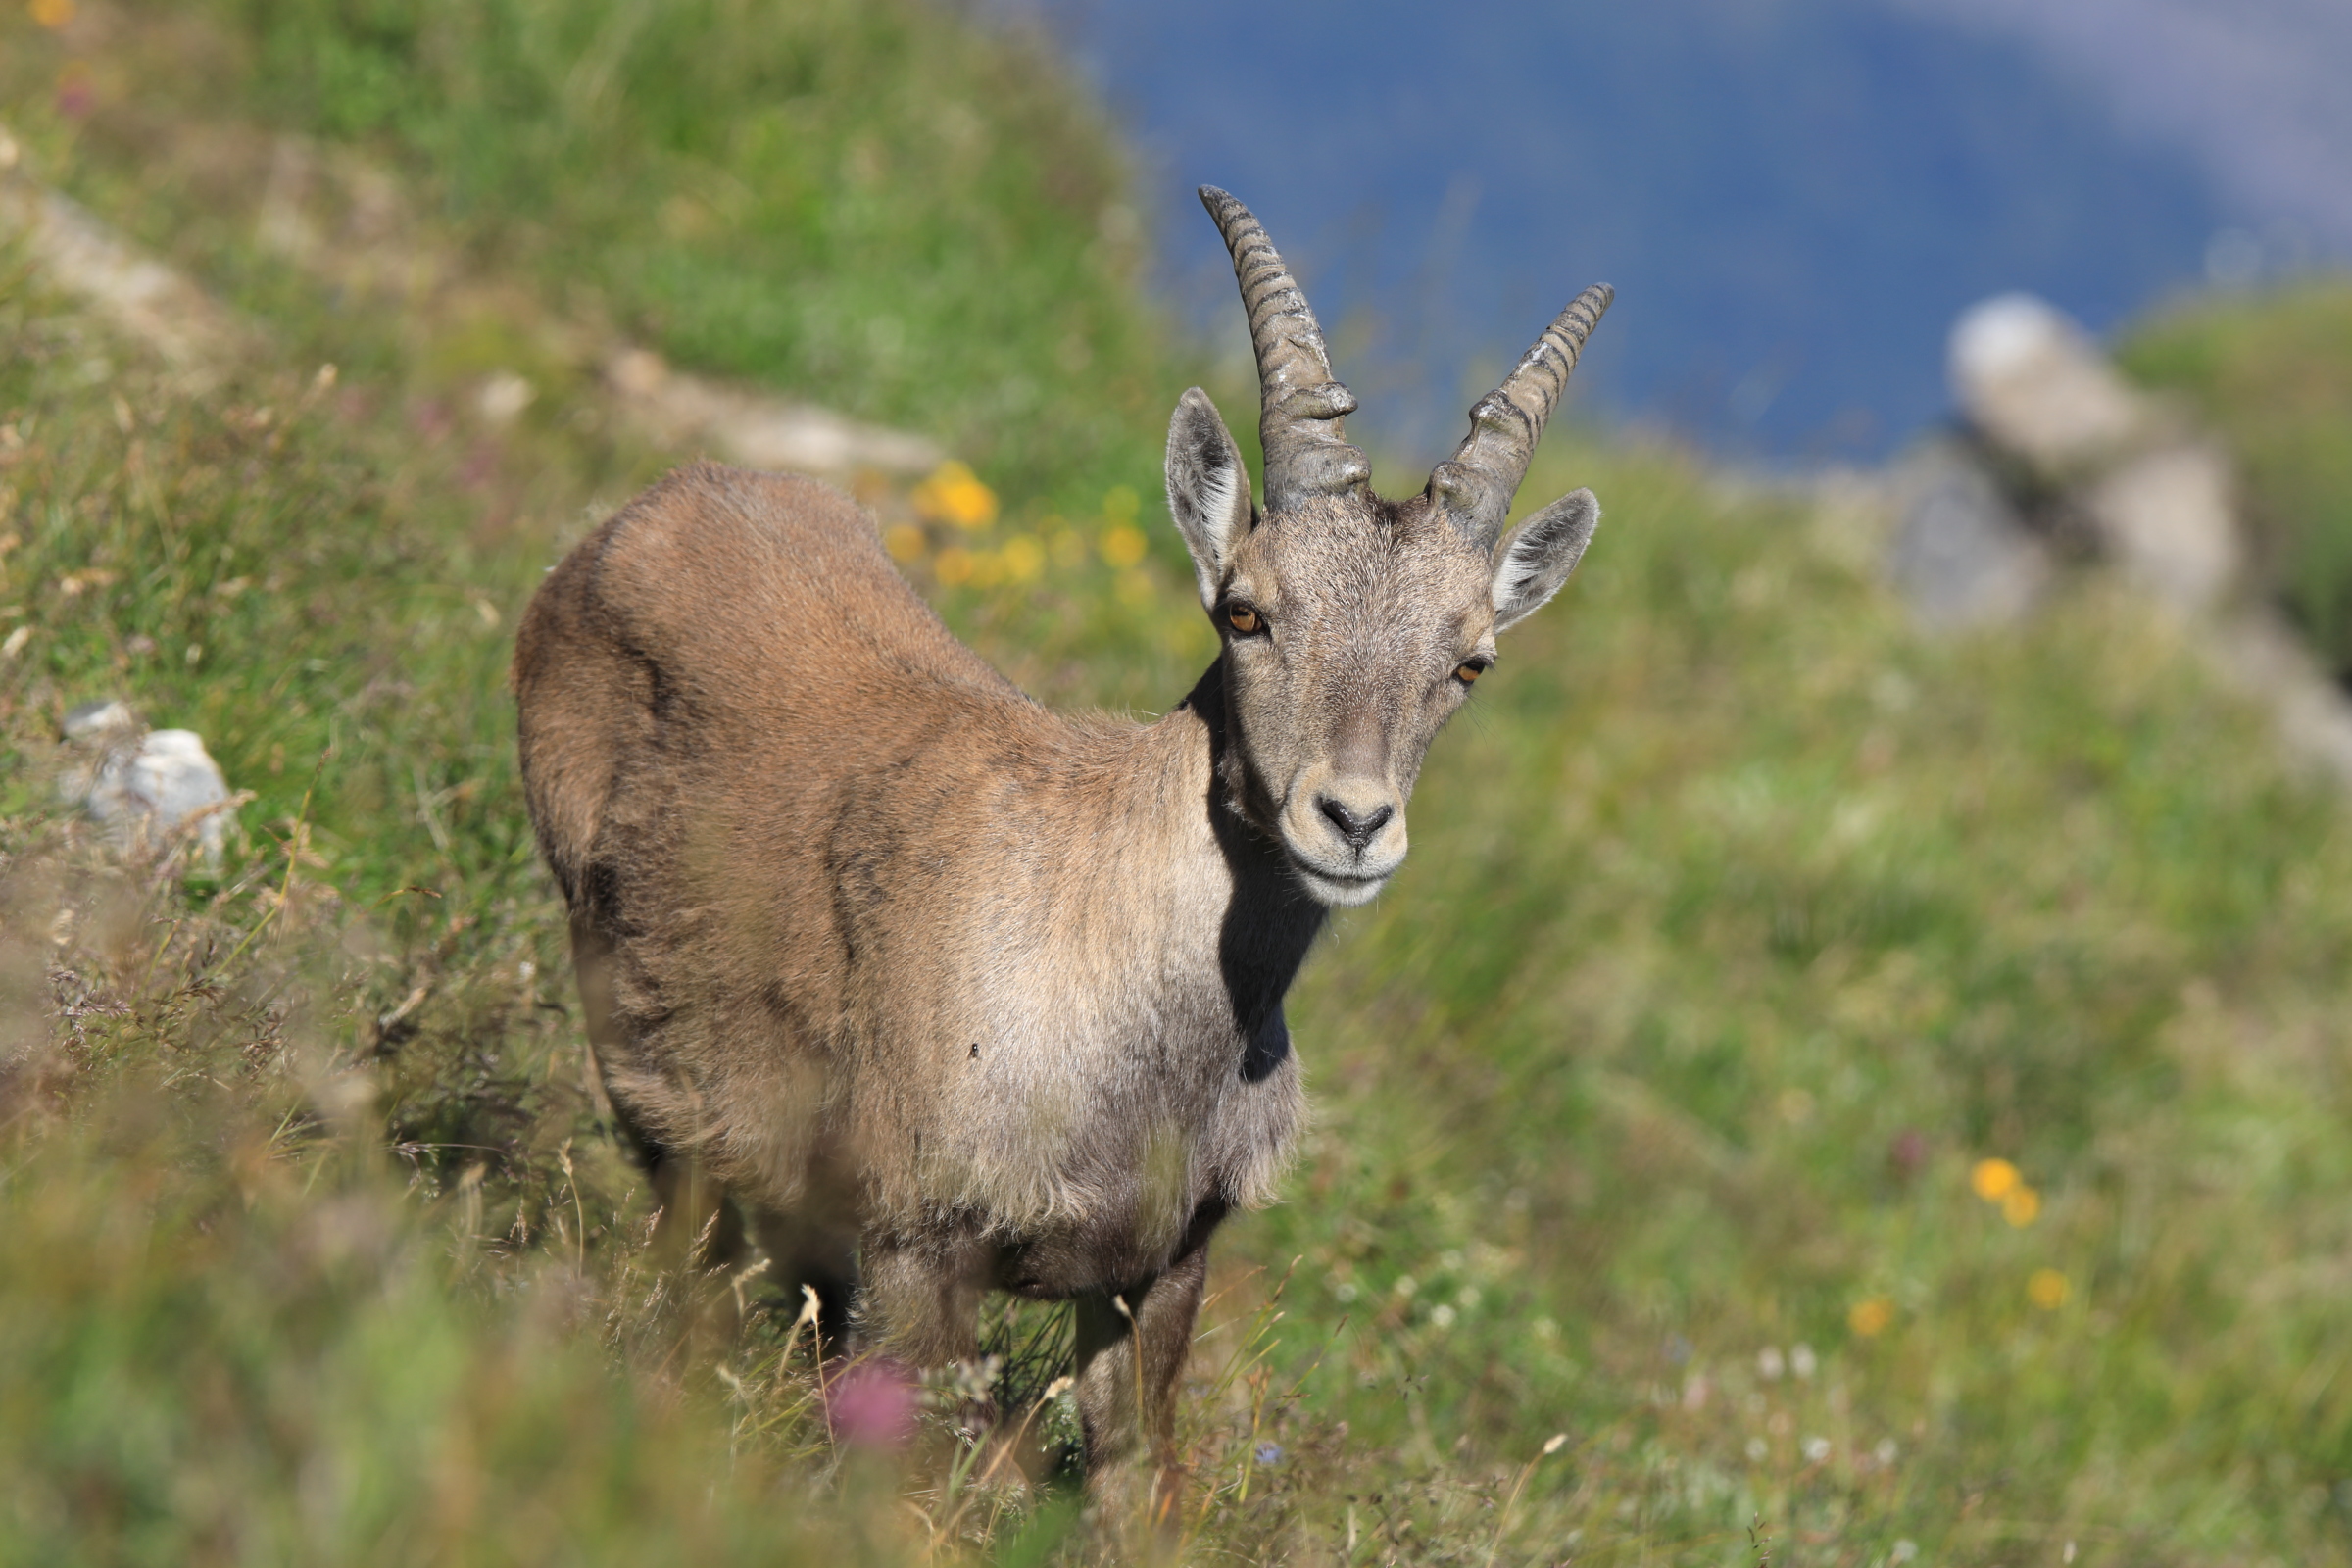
951 993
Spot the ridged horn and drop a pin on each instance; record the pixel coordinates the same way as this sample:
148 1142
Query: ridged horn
1301 404
1474 487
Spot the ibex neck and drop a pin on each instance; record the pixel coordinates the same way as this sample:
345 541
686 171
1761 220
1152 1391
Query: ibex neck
1270 921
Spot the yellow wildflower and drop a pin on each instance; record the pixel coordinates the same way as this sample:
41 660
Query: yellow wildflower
954 494
1872 1317
1124 544
954 565
52 14
1024 558
2020 1205
1994 1179
2047 1289
903 541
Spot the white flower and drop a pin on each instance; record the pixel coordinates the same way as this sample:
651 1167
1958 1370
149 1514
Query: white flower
1802 1361
1815 1450
1769 1364
1441 1315
1757 1450
1904 1550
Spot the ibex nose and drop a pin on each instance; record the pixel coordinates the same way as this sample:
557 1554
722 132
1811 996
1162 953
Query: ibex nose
1356 830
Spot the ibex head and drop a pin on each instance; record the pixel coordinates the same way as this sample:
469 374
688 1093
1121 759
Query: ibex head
1353 626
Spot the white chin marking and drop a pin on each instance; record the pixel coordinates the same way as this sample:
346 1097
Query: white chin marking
1340 893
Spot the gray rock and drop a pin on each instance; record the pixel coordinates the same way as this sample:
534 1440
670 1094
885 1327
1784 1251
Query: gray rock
686 411
147 788
2165 516
2156 499
1961 556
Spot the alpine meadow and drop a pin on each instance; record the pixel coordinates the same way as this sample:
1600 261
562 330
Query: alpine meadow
1818 1092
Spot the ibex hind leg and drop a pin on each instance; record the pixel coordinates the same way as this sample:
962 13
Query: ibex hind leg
807 1253
693 1208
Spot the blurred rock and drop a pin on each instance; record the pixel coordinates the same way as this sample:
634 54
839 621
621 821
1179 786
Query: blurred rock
2089 453
684 410
146 788
1962 556
2035 385
193 332
2070 452
2267 660
2165 516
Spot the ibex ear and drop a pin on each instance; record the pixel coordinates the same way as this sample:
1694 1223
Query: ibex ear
1540 553
1208 489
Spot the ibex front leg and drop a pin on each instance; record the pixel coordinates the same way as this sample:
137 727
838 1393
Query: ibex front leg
920 1298
1132 1348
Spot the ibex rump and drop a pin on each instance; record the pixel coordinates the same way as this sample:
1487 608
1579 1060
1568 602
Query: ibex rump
952 993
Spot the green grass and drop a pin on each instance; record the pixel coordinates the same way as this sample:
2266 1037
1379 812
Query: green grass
1743 923
866 202
2273 374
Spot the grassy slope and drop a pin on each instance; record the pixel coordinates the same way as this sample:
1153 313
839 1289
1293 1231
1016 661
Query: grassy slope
822 195
1747 927
1741 922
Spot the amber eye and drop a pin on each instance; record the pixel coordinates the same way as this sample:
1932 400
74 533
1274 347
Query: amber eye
1242 618
1468 672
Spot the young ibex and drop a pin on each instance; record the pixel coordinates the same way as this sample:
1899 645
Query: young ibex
952 993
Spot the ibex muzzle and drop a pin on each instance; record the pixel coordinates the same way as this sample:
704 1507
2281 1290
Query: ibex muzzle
951 993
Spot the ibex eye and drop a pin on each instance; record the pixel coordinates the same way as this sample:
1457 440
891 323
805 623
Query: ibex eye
1469 671
1242 618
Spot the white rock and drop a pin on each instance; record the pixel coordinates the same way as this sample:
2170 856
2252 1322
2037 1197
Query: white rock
503 396
2035 385
147 789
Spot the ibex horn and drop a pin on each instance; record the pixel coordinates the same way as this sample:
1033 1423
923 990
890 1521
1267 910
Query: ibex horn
1474 487
1301 404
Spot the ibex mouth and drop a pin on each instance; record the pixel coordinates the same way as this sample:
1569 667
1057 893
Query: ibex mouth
1340 888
